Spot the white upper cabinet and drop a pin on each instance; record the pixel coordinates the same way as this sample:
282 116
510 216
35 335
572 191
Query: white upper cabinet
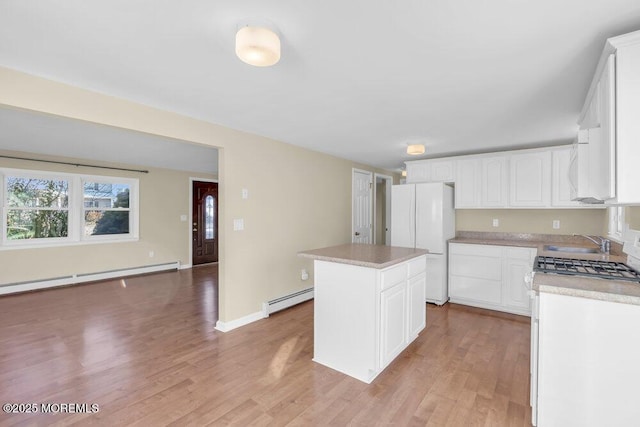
530 179
467 189
417 172
442 170
612 106
436 170
560 184
602 150
481 182
494 182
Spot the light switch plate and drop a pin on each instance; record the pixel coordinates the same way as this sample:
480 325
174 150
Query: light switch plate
496 222
556 224
245 193
238 224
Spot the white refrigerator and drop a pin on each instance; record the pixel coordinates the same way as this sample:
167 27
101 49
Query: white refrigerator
422 216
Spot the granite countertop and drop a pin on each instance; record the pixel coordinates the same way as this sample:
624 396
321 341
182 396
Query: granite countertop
620 291
363 255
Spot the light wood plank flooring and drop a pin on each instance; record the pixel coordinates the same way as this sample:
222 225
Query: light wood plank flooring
145 349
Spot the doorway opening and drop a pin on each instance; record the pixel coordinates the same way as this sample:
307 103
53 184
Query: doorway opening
382 209
204 222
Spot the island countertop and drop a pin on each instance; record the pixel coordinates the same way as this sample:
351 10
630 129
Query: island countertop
364 255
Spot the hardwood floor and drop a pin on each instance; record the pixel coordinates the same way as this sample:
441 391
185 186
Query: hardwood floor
146 351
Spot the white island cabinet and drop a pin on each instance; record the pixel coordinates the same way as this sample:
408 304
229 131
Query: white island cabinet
369 305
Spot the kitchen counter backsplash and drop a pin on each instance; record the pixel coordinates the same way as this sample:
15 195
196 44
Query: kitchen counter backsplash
528 239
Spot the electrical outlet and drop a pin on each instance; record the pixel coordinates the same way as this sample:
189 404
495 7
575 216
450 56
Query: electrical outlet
496 222
556 224
304 275
245 193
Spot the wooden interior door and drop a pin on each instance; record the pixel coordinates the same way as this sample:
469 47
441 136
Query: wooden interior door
205 222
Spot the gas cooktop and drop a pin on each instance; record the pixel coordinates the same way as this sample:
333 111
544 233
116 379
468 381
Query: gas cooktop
590 268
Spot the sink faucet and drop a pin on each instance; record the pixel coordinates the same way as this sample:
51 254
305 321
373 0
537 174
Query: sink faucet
604 244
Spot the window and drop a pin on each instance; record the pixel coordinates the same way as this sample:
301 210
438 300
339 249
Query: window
45 209
209 217
37 208
106 208
616 222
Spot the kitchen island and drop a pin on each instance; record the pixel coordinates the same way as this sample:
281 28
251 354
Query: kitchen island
369 305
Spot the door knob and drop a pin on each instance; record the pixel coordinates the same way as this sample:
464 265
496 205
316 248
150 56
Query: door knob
357 233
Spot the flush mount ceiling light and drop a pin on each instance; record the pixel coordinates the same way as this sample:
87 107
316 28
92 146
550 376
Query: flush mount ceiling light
257 45
415 149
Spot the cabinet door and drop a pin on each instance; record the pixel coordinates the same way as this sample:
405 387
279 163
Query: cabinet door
417 306
516 291
494 181
468 189
602 150
560 183
418 172
442 170
393 302
530 179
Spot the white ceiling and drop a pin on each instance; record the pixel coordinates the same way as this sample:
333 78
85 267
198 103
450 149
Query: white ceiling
357 79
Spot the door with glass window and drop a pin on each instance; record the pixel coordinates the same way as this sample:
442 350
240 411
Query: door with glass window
204 223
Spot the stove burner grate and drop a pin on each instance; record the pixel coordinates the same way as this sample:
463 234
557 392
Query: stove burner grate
591 268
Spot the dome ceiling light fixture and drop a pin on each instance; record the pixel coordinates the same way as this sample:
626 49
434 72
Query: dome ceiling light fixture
415 149
257 45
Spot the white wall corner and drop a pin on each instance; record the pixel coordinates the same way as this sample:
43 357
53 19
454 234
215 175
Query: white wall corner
236 323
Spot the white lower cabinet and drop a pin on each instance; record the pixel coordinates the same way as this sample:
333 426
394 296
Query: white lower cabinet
364 317
587 362
417 320
490 276
393 303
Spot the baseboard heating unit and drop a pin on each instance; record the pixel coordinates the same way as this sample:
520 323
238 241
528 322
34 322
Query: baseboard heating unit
10 288
286 301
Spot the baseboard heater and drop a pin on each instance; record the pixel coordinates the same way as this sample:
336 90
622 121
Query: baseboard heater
286 301
10 288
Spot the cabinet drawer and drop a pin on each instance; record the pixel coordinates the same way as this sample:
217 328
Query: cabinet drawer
476 266
525 254
471 249
476 289
417 266
393 275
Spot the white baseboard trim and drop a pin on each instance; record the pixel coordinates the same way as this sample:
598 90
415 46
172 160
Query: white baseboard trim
236 323
11 288
287 301
184 266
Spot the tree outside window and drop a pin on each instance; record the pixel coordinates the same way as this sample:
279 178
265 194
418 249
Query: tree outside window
37 208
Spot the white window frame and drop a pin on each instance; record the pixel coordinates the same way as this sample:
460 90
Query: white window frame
133 208
75 208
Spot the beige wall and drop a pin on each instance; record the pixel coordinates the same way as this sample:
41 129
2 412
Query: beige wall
298 199
632 217
581 221
164 196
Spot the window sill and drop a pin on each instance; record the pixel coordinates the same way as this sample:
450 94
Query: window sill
59 244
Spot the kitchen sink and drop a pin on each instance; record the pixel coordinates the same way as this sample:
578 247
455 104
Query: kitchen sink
571 249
